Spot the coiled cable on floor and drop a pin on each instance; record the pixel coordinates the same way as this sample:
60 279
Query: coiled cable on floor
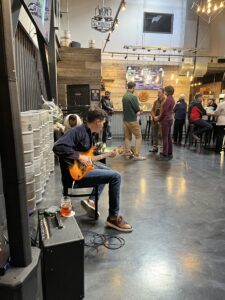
94 240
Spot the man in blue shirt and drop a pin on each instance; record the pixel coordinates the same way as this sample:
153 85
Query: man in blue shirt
70 147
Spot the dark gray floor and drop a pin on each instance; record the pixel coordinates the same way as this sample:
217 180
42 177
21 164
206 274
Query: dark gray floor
177 248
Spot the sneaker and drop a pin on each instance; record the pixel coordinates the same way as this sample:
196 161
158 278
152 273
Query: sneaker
119 224
197 138
137 158
89 207
109 138
154 149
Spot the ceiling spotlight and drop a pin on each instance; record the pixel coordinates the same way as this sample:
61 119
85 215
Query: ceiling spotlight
154 58
169 58
149 50
125 57
138 57
164 50
123 6
116 23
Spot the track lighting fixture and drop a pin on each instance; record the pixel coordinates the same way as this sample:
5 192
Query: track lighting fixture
138 57
169 58
154 58
125 57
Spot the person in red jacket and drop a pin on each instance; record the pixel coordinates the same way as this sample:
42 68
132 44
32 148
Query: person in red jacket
195 113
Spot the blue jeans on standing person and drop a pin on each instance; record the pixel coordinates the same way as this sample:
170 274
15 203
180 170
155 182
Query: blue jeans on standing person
100 176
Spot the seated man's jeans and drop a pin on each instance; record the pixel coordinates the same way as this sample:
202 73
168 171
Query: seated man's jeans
202 126
100 176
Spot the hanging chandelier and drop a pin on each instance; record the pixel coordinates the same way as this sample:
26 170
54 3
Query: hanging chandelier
208 10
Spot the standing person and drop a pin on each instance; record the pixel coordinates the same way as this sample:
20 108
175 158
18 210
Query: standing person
70 147
166 120
107 106
220 125
180 111
212 106
155 112
131 110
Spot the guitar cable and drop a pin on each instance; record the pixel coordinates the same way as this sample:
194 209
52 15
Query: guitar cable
94 240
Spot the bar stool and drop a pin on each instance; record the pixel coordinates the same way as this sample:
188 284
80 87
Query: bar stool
147 129
189 133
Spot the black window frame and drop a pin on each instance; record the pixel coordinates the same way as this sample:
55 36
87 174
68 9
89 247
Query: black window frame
158 32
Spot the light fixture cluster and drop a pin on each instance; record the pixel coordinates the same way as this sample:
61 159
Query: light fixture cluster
208 9
196 84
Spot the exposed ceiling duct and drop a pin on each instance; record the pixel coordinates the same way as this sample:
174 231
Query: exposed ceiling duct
187 67
201 66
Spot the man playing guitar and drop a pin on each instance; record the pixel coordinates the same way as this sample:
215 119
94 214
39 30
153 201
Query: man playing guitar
69 149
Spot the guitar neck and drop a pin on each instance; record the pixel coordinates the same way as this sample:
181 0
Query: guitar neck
100 156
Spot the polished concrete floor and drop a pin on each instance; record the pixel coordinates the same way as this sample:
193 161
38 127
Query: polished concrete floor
177 248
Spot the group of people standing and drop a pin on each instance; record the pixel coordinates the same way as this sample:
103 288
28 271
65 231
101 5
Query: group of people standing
162 116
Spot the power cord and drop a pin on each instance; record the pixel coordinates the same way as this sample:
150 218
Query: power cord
94 240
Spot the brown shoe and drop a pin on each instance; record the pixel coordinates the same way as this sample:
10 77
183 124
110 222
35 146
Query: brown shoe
119 224
89 207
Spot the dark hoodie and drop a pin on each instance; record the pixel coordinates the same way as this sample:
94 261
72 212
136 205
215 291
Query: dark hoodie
180 110
196 111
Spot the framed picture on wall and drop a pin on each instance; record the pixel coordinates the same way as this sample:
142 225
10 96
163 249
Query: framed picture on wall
146 78
95 95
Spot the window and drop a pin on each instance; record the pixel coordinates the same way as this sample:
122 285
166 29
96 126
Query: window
158 23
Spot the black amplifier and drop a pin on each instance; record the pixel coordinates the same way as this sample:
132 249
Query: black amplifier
62 259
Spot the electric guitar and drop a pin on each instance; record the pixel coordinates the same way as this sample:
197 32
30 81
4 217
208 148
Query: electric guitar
79 170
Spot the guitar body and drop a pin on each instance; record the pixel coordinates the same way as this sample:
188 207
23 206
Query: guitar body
78 170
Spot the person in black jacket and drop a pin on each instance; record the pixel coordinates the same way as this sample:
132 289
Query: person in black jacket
107 106
179 110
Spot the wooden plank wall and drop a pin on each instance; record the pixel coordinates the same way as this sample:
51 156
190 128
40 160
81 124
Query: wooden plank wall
114 77
78 66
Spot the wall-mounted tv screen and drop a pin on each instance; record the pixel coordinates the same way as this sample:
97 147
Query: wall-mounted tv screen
146 78
158 23
40 12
